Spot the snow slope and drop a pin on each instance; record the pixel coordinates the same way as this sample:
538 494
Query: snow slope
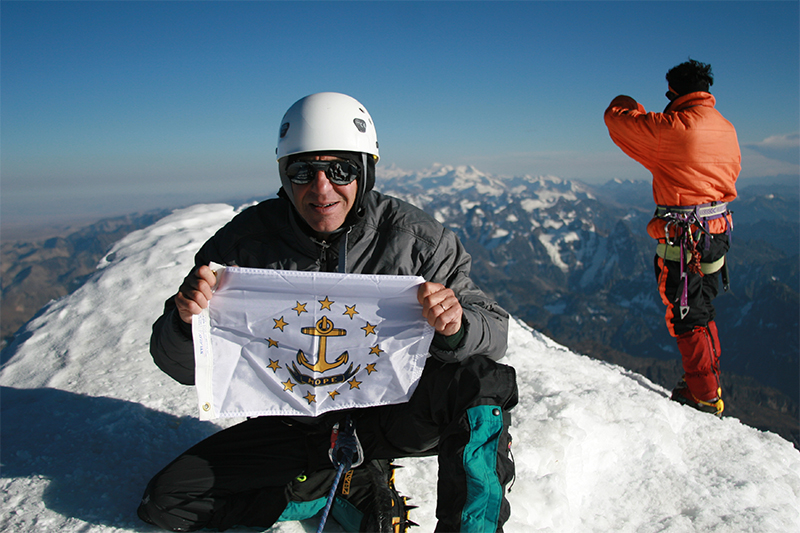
87 419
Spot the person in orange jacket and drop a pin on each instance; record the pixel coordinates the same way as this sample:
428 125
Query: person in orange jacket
693 153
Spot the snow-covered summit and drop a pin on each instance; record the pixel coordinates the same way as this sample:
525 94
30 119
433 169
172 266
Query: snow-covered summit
87 419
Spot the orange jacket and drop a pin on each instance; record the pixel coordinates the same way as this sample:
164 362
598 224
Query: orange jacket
691 150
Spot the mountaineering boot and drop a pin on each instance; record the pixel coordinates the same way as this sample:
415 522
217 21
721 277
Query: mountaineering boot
683 395
368 501
390 510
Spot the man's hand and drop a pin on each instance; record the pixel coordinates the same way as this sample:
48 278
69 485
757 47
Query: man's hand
440 307
195 292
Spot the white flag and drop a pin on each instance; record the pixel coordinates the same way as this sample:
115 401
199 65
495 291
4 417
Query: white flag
276 342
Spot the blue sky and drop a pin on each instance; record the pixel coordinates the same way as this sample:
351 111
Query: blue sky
111 107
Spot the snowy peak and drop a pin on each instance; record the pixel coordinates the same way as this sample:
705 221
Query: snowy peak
443 179
467 181
506 211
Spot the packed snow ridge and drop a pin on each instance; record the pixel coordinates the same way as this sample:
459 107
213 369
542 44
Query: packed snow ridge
88 419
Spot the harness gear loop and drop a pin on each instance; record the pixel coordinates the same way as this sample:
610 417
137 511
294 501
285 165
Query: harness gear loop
680 221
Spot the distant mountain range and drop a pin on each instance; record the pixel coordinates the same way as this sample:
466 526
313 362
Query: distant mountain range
573 261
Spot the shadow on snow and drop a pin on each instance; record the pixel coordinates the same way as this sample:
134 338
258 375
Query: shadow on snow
97 452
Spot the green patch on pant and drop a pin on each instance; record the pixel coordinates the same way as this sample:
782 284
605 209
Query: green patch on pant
484 491
302 510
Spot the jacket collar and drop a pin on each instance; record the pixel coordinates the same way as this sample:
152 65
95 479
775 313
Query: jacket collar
699 98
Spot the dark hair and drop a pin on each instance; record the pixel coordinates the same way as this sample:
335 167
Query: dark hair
690 77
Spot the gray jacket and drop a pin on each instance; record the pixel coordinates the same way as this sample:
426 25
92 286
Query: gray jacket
389 237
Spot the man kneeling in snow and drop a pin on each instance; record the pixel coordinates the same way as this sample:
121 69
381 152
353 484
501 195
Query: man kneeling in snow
327 218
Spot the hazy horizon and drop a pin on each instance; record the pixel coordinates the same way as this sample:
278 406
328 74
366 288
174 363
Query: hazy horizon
60 225
113 107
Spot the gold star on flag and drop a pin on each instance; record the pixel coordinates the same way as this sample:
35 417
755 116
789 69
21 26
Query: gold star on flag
300 308
351 311
376 350
310 398
280 323
274 365
326 304
354 384
371 368
333 394
288 385
369 329
272 343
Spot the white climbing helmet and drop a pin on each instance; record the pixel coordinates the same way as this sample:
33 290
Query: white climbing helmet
327 122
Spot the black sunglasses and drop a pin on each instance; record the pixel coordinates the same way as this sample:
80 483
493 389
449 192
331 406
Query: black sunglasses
338 172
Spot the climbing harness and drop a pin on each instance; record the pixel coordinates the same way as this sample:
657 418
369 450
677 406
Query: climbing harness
680 240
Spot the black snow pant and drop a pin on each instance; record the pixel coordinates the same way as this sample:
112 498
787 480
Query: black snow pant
701 289
243 474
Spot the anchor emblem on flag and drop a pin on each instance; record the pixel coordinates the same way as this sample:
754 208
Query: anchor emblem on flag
323 329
